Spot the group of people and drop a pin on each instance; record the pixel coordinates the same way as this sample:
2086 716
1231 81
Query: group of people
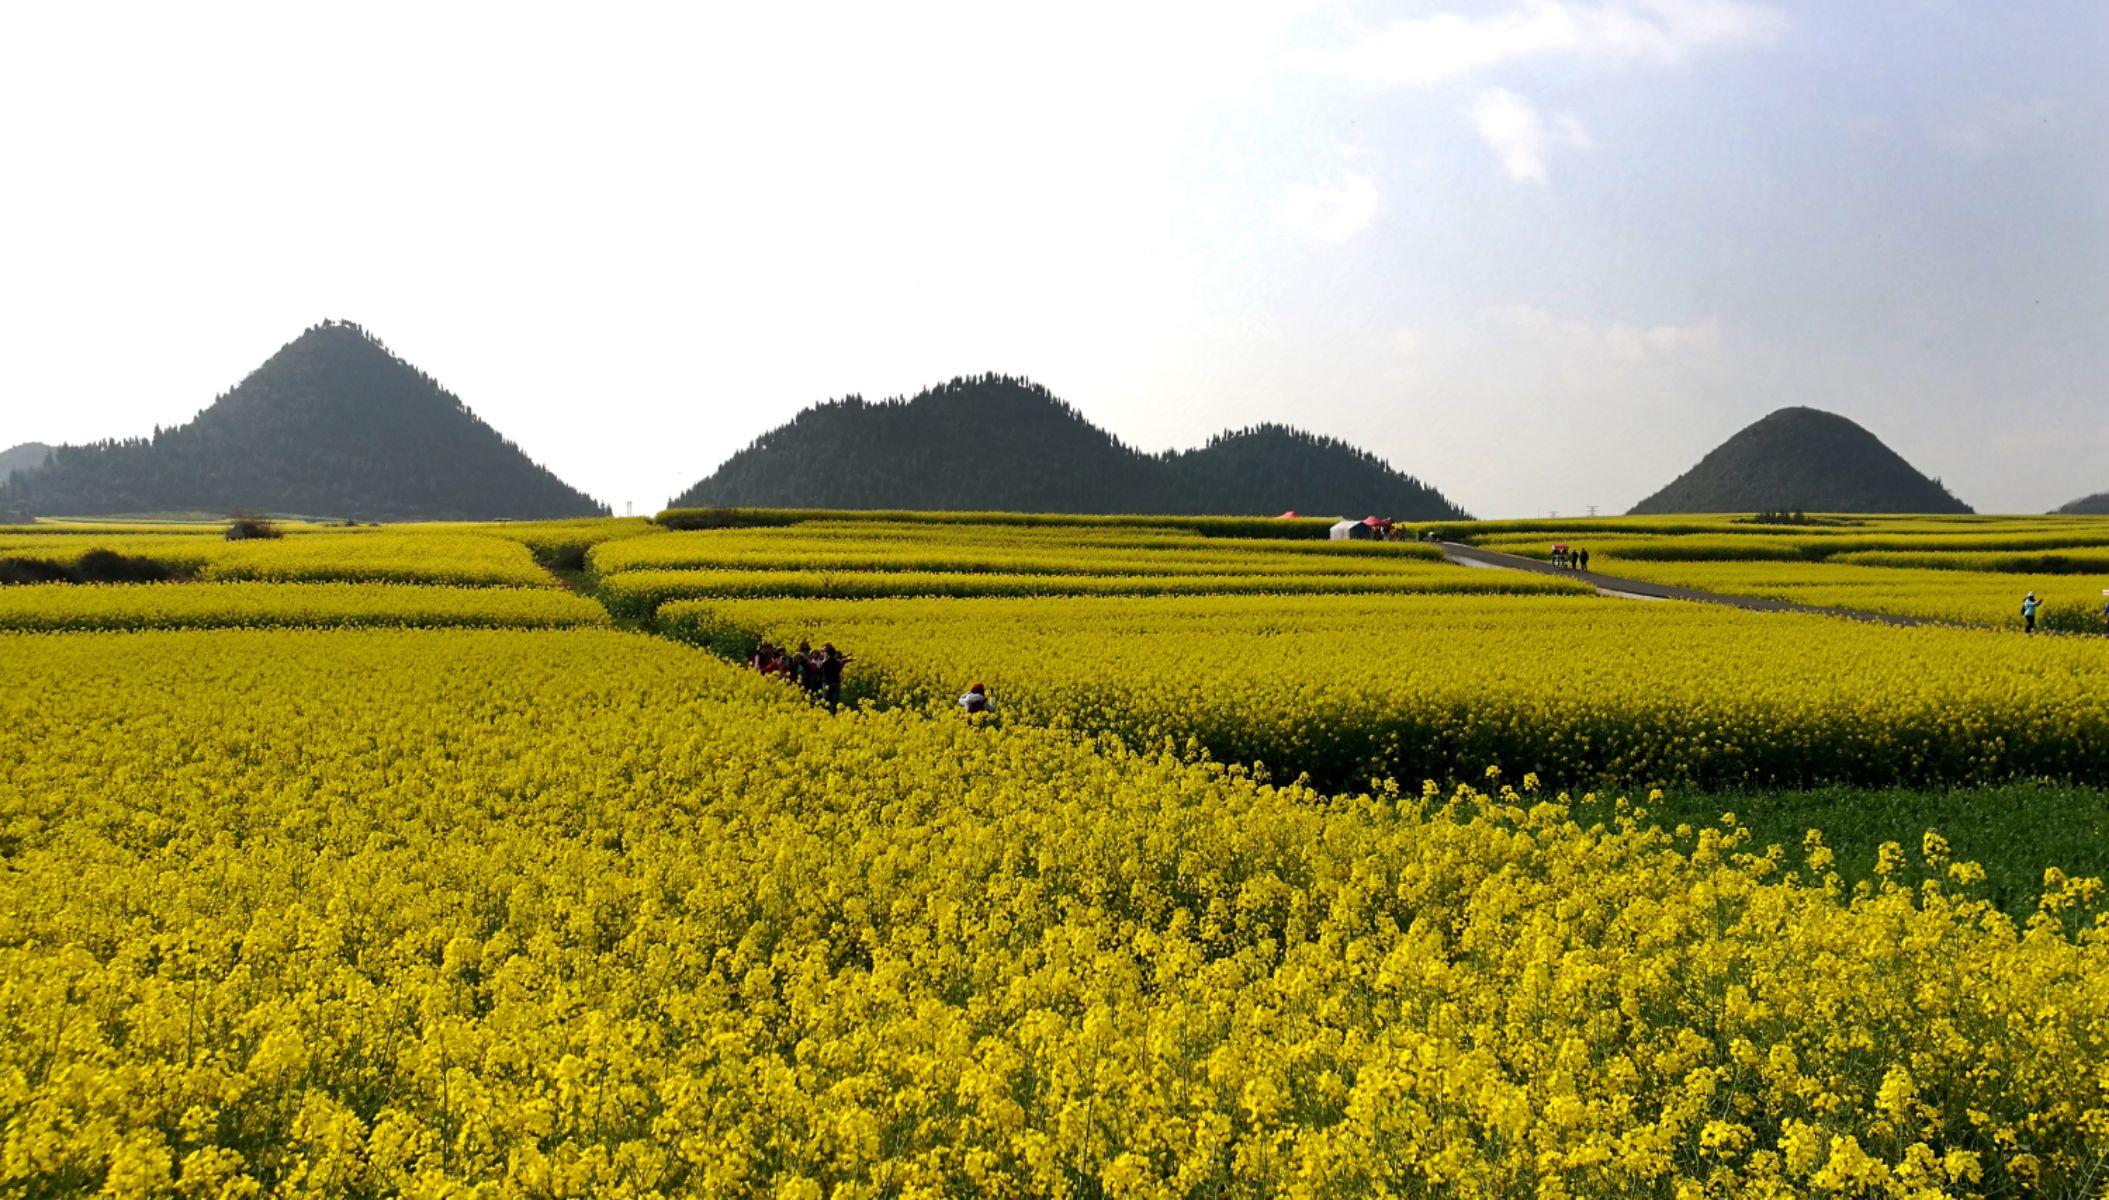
1575 559
818 672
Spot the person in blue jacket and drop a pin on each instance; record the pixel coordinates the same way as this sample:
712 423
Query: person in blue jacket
2029 605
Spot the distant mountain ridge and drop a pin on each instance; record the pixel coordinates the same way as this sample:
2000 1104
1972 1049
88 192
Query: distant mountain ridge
332 425
27 456
2096 505
1000 442
1806 459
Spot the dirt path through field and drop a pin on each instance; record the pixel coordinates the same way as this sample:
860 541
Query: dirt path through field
1636 589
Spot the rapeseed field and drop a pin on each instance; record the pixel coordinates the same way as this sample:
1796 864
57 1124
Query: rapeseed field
1582 689
426 861
567 913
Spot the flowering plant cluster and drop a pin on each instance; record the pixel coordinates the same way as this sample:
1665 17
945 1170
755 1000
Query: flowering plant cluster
496 913
1355 687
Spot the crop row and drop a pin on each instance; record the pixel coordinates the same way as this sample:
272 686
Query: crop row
1822 545
579 913
641 593
65 528
1049 538
785 551
1206 526
380 555
557 543
51 607
1743 524
2059 561
1348 688
2071 603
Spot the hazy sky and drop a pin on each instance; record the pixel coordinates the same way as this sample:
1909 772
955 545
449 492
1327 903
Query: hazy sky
1541 253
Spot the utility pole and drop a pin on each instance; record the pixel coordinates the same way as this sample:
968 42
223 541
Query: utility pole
1592 510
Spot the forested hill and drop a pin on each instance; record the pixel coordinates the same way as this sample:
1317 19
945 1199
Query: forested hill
1271 468
1806 459
22 458
332 425
2096 505
995 442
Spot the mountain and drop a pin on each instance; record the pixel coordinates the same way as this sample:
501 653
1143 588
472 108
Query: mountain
1805 459
2096 505
1269 468
331 425
22 458
1000 443
970 444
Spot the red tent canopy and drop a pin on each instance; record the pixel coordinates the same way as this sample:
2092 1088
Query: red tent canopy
1376 522
1287 516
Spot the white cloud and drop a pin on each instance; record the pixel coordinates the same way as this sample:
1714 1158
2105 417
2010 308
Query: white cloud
1570 131
1589 346
1991 123
1447 46
1510 126
1332 211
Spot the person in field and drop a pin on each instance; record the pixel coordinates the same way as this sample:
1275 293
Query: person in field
975 701
763 659
831 663
811 676
2029 605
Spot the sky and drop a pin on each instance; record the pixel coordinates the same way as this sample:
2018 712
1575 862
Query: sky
1542 254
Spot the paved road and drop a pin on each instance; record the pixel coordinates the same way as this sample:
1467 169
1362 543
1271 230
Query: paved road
1635 589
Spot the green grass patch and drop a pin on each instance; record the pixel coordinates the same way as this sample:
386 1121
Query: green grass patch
2013 831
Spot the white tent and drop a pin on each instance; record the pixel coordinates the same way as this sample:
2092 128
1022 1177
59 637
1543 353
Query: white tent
1345 530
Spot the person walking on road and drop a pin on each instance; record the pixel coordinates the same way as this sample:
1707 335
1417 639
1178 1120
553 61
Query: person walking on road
2029 605
1582 558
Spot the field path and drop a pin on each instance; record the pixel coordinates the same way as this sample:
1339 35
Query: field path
1635 589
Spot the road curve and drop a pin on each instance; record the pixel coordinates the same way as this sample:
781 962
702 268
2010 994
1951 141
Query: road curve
1616 585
